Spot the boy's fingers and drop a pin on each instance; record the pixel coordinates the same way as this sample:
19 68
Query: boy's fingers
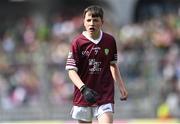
123 98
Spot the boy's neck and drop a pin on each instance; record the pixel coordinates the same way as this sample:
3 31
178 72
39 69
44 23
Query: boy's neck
95 35
96 39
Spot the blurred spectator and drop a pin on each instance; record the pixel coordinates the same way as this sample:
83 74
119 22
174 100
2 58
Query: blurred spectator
22 89
60 88
8 43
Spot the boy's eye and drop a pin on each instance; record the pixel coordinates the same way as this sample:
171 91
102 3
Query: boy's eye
94 20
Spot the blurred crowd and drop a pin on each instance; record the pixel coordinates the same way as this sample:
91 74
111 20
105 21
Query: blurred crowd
33 54
150 49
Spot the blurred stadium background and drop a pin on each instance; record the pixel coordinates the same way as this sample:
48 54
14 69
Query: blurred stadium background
34 41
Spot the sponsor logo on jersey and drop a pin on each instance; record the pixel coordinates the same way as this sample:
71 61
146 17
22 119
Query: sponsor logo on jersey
96 50
95 66
85 53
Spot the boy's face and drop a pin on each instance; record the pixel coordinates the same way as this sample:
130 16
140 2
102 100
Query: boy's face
92 24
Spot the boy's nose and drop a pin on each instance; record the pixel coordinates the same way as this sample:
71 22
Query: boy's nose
92 22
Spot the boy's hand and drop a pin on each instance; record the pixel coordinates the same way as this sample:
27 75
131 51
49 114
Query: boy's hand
89 94
123 98
124 94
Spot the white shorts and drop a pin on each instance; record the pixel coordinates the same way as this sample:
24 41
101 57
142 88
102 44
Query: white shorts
87 113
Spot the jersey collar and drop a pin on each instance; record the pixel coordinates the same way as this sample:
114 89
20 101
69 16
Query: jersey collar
92 40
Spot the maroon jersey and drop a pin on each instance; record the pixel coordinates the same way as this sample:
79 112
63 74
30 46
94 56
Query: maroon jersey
92 62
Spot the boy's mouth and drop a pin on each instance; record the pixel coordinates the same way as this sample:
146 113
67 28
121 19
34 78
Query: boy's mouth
92 29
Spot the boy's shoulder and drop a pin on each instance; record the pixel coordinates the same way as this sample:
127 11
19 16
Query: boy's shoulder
108 36
78 37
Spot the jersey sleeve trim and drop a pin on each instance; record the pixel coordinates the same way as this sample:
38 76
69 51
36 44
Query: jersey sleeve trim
68 67
113 62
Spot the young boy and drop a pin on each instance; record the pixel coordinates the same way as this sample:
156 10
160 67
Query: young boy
92 67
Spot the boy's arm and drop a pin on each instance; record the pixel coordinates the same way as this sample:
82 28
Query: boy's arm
75 78
89 95
118 79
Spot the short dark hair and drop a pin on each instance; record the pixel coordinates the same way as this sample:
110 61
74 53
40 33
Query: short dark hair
96 11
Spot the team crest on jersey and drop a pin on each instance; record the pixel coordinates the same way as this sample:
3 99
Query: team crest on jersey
106 51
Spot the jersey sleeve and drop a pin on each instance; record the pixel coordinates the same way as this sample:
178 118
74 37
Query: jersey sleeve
72 59
114 52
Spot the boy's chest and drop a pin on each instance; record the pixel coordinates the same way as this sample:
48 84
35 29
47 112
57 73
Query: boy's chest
99 51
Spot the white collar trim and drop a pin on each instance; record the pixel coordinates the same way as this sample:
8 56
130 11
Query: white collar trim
92 40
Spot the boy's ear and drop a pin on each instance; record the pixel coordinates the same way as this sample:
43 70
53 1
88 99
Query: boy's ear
102 21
